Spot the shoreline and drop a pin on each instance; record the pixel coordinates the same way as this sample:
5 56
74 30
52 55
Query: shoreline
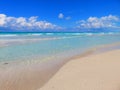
94 72
37 75
98 50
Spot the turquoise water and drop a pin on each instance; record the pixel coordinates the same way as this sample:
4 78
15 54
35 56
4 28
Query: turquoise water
60 44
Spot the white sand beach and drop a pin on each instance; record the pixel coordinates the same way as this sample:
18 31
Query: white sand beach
95 72
98 71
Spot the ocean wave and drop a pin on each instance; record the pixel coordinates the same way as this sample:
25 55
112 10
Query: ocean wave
7 35
57 34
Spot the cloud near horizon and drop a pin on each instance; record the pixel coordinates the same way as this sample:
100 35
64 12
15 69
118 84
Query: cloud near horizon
32 23
22 23
109 21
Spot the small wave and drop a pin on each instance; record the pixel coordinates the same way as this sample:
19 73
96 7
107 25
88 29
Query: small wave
89 34
49 33
110 33
35 34
14 35
8 35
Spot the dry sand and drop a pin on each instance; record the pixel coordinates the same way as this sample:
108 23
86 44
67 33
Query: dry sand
95 72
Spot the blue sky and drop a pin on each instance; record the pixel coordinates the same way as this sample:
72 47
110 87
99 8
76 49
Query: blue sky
59 14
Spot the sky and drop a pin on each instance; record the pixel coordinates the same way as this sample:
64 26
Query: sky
59 15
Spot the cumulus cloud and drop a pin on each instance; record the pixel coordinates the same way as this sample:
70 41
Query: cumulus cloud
61 16
2 19
102 22
25 23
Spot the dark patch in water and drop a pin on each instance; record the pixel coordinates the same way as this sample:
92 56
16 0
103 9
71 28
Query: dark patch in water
6 63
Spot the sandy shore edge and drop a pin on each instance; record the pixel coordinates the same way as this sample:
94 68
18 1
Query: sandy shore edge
95 72
34 76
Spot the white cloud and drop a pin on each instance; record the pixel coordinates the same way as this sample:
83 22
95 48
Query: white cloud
61 16
2 19
68 18
102 22
25 23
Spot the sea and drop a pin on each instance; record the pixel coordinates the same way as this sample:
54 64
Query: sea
51 46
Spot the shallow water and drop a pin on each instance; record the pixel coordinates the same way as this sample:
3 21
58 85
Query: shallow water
28 46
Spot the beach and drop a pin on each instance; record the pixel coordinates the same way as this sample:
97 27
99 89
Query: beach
98 71
60 45
94 72
59 61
